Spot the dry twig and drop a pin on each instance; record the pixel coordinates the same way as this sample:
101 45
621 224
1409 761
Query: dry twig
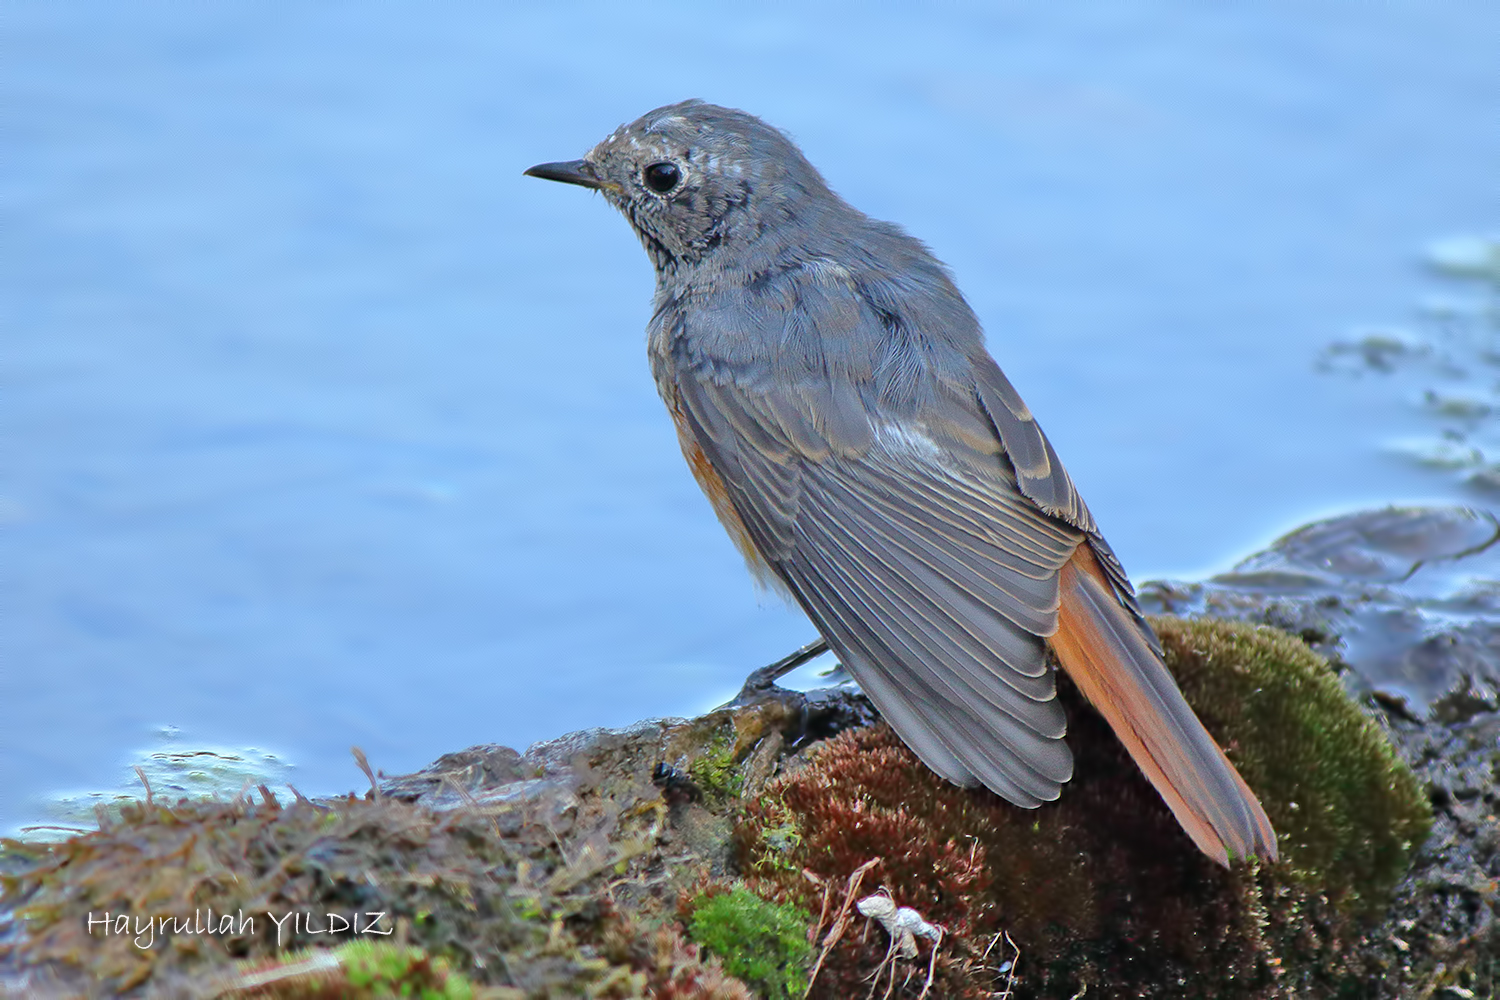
840 922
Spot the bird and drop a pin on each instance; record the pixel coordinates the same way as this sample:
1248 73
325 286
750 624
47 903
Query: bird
834 398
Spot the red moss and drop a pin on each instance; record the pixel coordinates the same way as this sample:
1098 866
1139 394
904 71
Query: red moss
1101 888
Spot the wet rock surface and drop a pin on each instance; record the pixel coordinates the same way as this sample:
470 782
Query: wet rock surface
1405 600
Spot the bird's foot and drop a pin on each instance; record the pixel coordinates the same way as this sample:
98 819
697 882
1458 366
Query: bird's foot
763 681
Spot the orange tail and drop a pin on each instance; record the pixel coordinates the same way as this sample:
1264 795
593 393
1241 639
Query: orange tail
1103 650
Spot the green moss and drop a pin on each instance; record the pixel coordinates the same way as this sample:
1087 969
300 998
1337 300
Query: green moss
358 971
1347 810
382 969
780 838
716 771
765 944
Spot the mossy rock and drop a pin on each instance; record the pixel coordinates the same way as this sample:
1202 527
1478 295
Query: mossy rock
474 905
1347 810
1102 888
716 769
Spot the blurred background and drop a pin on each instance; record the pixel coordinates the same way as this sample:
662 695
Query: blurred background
289 462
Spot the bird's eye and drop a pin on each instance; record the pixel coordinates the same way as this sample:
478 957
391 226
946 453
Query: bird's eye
662 177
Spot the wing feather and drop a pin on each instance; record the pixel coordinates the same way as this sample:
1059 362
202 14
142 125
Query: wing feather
960 642
1039 472
990 747
949 586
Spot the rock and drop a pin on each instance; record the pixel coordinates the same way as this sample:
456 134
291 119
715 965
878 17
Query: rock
1405 600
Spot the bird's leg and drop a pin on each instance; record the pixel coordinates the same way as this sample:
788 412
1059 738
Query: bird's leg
764 679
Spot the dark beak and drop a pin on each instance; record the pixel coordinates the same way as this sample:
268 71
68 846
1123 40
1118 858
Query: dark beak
580 172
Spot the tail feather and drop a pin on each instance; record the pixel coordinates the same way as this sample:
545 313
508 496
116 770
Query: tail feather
1108 656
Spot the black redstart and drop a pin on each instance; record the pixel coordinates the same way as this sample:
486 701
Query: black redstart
834 399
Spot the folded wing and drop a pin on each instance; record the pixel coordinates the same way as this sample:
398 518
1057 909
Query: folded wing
935 581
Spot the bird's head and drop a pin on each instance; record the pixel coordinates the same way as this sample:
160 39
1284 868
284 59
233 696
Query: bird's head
699 181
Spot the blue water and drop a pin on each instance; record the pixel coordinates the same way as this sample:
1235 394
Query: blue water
324 426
